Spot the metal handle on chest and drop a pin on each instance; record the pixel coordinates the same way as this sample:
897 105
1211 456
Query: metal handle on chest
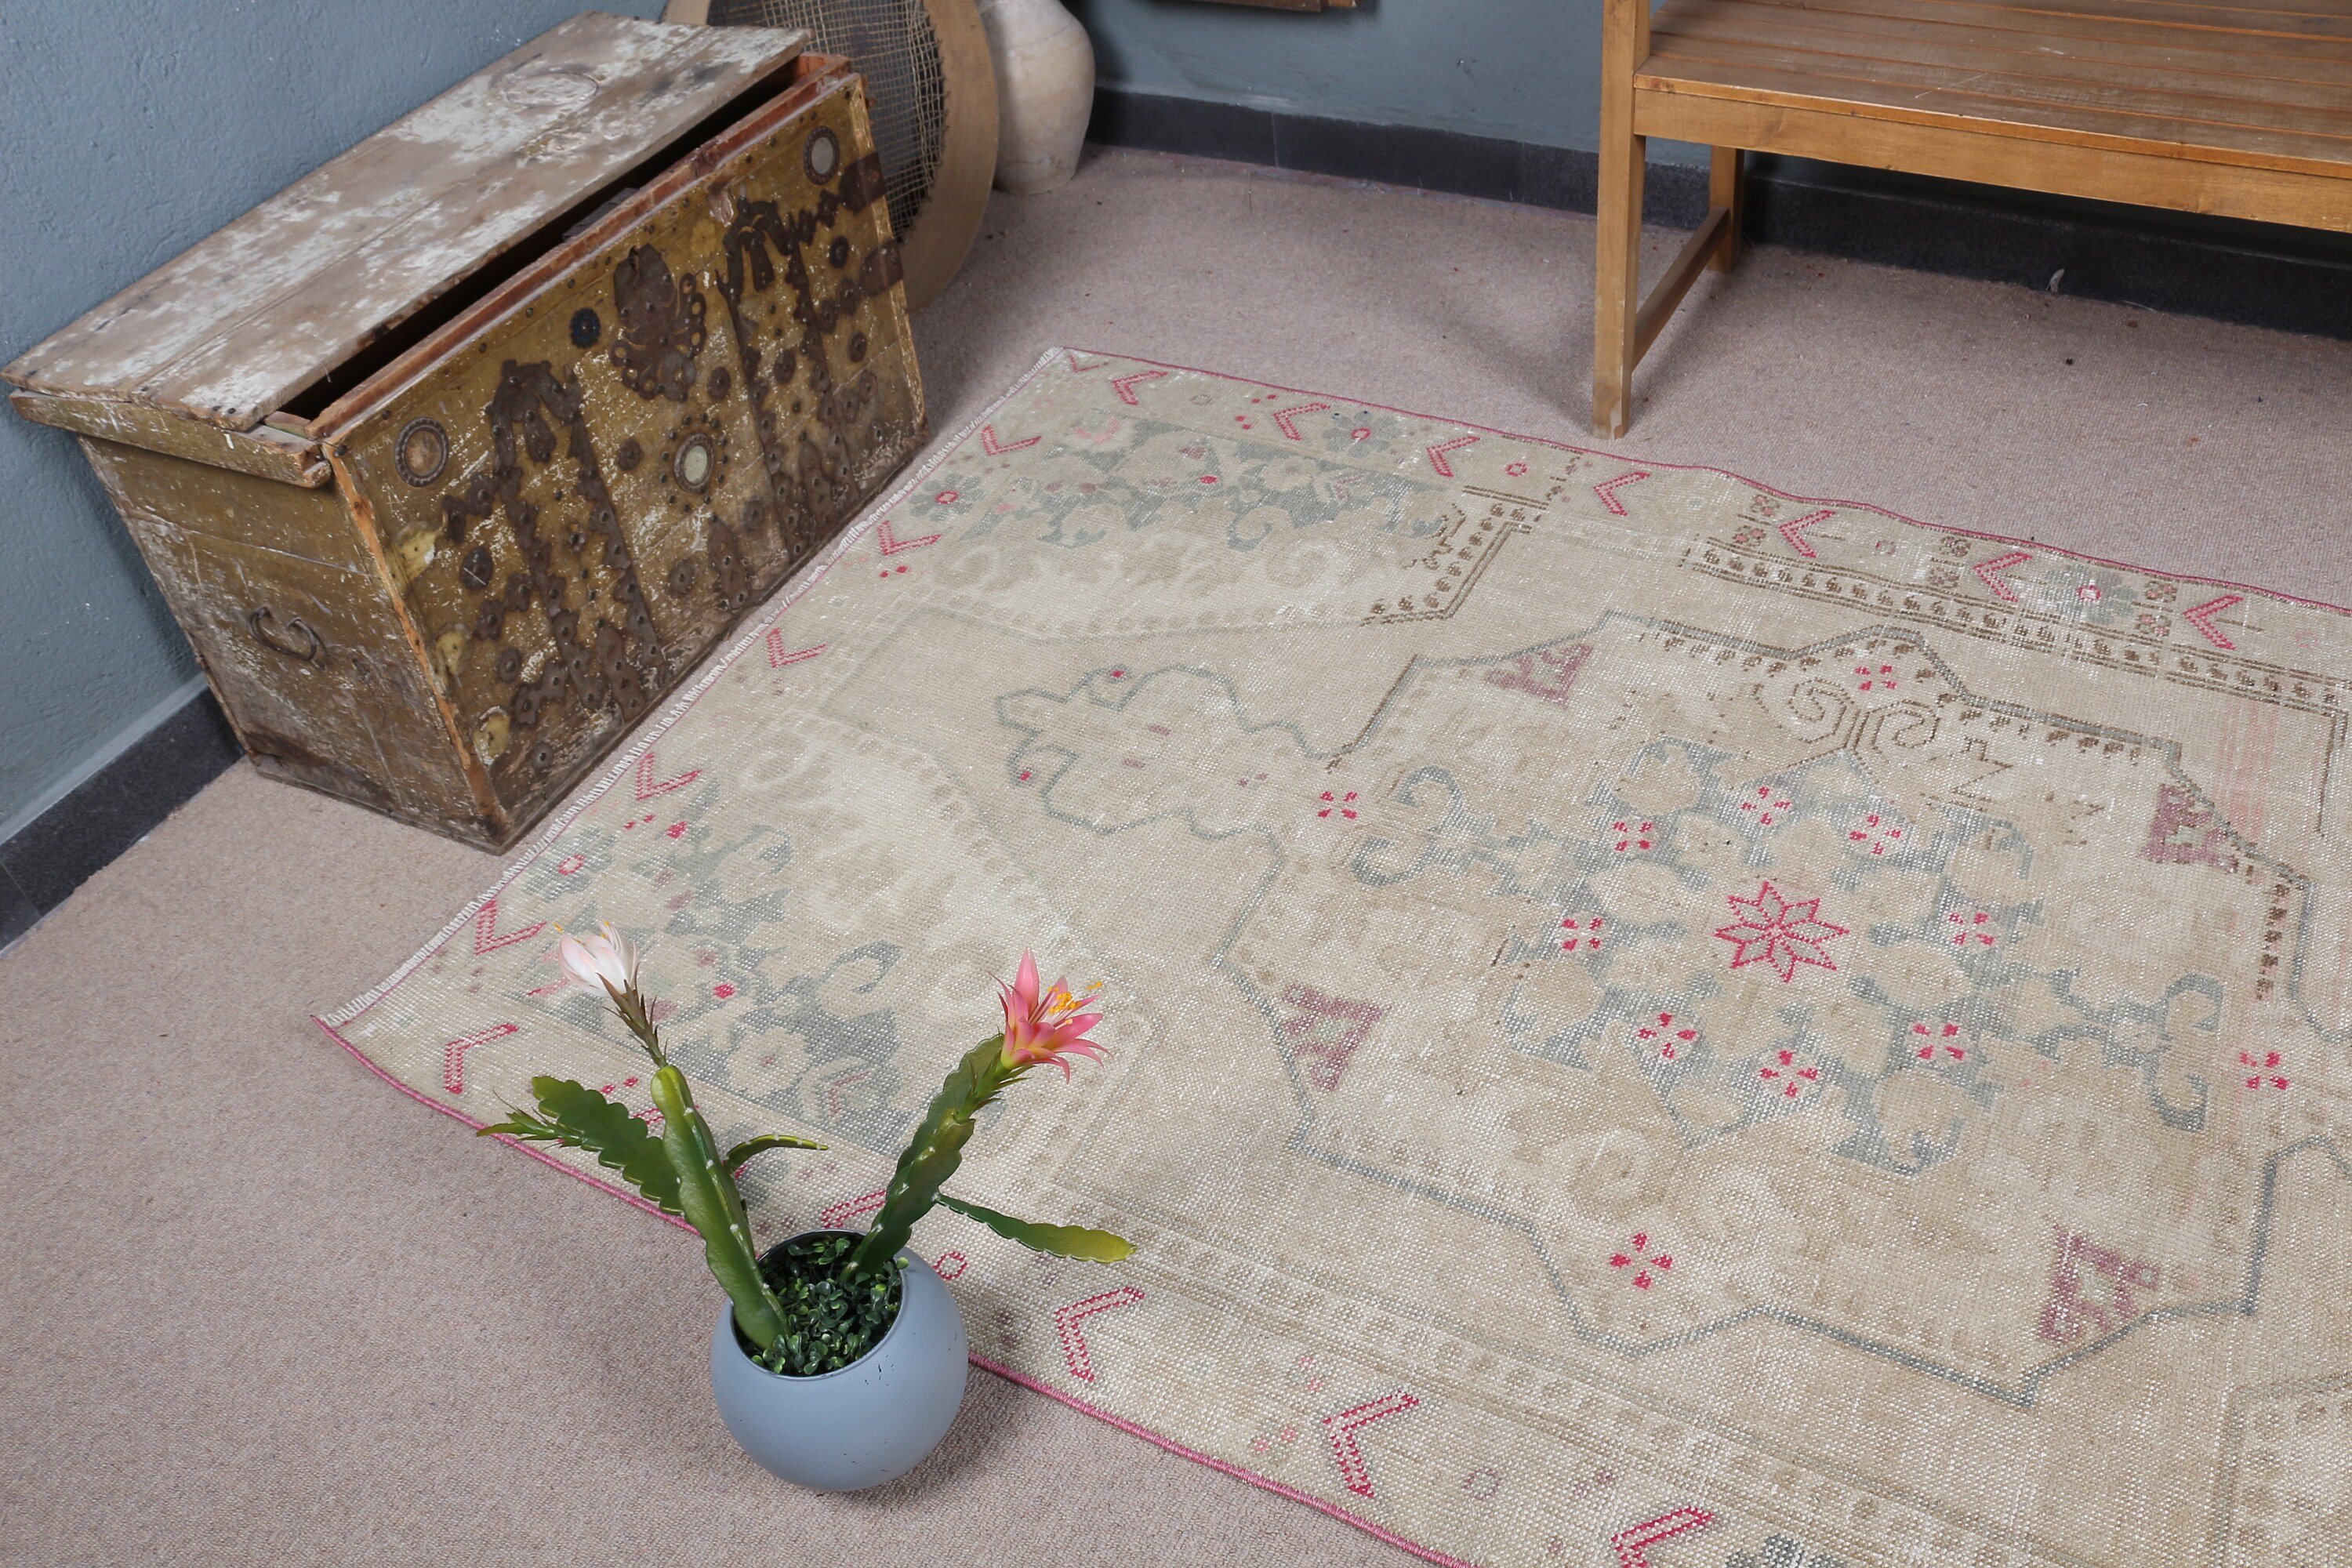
258 619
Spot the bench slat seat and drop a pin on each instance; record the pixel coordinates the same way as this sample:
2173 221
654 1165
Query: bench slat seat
2073 42
2238 111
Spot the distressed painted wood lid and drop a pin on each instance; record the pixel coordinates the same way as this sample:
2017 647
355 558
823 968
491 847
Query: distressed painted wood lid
242 321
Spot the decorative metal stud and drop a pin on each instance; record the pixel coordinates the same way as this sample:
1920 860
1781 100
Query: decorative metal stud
821 156
422 451
695 462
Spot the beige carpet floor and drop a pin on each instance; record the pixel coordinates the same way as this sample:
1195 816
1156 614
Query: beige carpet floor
257 1308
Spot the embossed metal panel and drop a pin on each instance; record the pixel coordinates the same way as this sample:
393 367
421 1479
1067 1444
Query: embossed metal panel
581 503
443 580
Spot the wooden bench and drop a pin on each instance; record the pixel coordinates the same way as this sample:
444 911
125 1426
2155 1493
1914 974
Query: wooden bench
2242 109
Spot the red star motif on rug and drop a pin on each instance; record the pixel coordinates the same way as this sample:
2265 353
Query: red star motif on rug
1779 932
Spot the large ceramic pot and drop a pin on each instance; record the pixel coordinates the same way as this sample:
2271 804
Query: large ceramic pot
869 1423
1044 92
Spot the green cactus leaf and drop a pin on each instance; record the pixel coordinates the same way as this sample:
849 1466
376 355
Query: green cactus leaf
932 1155
578 1117
1062 1240
760 1145
715 1208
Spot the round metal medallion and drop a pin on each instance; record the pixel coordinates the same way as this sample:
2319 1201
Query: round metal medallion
694 462
586 328
422 451
821 156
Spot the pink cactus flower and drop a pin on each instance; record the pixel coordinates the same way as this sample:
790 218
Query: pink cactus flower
1046 1026
605 960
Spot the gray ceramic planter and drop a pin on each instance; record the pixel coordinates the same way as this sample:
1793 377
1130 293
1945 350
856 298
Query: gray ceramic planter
872 1421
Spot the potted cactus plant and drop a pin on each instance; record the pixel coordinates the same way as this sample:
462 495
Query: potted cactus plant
838 1360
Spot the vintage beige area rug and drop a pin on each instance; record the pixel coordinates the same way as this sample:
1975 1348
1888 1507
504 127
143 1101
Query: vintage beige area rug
1653 1021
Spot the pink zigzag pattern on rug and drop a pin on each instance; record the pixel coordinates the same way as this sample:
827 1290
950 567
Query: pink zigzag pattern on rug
488 939
648 787
1075 1353
997 448
2202 617
452 1054
1437 453
891 543
1633 1545
1793 531
1223 1467
1347 1451
1607 490
1124 386
777 656
1286 419
1990 571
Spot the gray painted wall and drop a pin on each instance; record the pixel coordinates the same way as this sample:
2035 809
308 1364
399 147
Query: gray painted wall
1528 71
131 133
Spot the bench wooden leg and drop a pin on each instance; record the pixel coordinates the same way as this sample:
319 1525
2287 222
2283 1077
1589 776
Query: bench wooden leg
1617 286
1723 190
1624 324
1617 262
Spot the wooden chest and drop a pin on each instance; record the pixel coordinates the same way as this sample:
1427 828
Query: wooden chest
456 455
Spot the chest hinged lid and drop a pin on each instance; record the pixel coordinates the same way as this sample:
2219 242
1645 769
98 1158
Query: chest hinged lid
374 246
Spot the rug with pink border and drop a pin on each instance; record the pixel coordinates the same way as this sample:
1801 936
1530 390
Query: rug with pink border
1653 1020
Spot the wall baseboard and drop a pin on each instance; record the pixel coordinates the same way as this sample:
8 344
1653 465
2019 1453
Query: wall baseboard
2256 274
116 806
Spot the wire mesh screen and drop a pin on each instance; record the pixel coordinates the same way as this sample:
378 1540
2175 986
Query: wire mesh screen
893 47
